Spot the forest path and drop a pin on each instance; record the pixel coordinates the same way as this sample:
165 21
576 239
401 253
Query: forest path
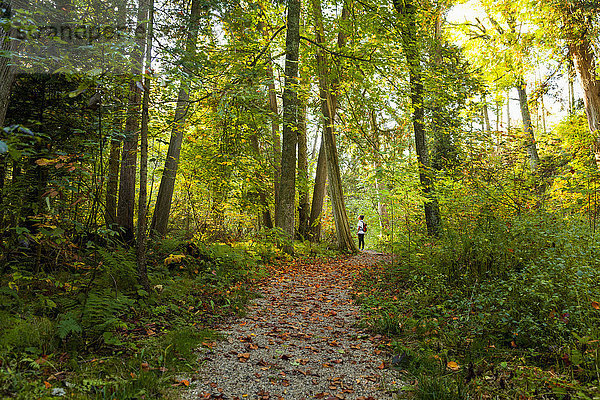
300 340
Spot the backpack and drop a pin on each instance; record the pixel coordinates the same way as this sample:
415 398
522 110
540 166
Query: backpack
364 226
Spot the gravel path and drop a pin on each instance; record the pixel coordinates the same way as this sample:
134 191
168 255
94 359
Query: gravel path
300 340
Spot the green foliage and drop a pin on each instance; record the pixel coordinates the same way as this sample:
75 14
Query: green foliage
34 335
118 269
523 288
115 341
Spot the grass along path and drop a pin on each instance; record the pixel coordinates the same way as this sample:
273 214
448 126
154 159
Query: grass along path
300 340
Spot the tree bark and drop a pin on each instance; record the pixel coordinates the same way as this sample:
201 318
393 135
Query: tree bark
126 207
7 72
328 105
571 90
384 220
112 183
142 200
318 196
265 212
115 143
486 117
160 218
585 66
508 110
303 200
274 122
321 173
531 145
274 131
285 212
408 28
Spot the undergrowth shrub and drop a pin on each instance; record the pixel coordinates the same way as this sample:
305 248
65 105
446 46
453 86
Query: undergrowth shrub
528 282
118 270
498 291
93 309
34 335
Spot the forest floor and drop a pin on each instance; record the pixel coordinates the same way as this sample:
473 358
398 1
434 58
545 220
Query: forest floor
300 339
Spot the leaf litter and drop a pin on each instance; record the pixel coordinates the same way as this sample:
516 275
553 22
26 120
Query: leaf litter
300 340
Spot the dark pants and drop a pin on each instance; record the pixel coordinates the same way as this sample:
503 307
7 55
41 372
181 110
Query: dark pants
361 241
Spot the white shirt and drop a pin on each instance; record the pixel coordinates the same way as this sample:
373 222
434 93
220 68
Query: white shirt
361 227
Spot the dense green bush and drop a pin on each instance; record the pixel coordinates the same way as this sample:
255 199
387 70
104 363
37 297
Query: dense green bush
530 281
524 288
93 308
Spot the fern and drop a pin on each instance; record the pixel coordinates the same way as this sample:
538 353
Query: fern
102 310
67 325
118 270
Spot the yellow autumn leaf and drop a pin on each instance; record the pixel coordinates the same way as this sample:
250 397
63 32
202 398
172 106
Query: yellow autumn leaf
596 305
453 365
174 258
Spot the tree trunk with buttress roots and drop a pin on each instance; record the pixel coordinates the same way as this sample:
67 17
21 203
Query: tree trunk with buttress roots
322 166
344 234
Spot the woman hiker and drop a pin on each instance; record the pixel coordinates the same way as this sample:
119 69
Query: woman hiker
362 229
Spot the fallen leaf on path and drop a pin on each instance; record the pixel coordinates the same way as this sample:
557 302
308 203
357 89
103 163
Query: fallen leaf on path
453 365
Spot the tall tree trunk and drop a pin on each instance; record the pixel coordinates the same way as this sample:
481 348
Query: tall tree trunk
486 117
265 212
328 105
126 207
571 88
3 165
507 110
531 145
142 200
543 113
585 66
285 211
160 218
318 196
7 76
112 183
7 72
322 165
498 116
303 199
408 28
274 121
384 220
115 143
274 131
